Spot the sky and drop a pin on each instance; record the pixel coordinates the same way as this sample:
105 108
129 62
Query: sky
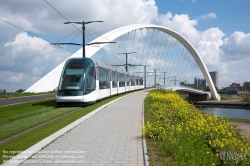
218 29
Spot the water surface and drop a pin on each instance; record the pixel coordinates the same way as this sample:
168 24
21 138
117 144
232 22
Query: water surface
228 112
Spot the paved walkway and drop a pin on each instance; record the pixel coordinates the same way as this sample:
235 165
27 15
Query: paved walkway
111 137
244 128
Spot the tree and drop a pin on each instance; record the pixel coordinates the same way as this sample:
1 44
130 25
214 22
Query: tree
201 88
4 91
208 89
246 86
20 91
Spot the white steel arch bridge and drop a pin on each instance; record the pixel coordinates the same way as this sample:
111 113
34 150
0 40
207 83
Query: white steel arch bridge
174 44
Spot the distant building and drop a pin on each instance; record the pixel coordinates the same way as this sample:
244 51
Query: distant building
214 76
187 85
232 89
204 83
199 82
190 85
195 82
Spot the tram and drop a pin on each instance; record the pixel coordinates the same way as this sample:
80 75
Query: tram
84 81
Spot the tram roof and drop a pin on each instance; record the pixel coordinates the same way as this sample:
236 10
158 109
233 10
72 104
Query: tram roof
99 64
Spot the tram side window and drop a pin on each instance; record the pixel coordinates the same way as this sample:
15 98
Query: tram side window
114 79
137 81
121 80
127 79
141 81
91 79
132 80
104 80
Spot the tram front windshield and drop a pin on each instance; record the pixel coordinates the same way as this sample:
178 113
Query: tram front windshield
76 76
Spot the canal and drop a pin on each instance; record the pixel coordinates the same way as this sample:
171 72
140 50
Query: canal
240 113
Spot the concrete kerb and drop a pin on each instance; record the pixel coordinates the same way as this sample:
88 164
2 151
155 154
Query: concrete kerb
144 145
24 155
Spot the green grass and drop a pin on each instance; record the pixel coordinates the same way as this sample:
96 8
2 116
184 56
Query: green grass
19 125
17 111
20 117
226 97
239 120
30 138
246 99
11 95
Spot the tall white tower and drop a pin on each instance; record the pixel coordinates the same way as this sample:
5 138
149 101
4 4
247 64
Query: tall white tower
214 76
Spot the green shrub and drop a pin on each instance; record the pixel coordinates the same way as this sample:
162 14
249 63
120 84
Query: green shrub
246 99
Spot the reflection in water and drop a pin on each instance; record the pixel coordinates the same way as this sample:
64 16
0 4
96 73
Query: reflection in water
227 112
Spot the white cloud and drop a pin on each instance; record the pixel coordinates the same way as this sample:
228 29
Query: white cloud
209 46
17 78
46 20
28 58
16 19
207 43
24 42
209 15
236 47
181 24
22 56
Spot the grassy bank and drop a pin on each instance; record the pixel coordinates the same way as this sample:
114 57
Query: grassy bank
178 133
226 97
239 120
30 138
246 99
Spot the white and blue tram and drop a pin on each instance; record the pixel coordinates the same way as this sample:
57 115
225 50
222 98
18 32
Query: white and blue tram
84 81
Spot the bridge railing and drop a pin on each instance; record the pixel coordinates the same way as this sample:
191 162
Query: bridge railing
181 87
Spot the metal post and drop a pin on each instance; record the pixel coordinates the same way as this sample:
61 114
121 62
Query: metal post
145 74
126 66
155 77
164 77
83 39
83 36
175 80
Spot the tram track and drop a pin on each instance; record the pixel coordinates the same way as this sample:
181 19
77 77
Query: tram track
26 116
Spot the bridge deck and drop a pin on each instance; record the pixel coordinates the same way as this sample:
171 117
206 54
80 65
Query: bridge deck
110 137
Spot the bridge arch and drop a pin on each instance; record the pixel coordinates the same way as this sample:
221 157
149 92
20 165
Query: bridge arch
49 82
